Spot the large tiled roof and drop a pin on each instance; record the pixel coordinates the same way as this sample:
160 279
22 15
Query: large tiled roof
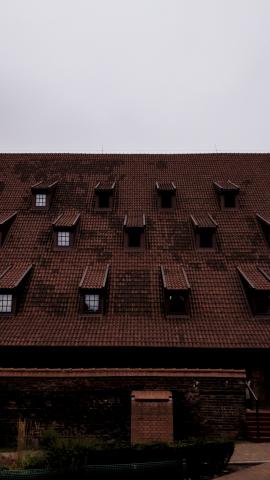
219 312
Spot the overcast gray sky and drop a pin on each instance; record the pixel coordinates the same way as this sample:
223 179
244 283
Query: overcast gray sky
134 75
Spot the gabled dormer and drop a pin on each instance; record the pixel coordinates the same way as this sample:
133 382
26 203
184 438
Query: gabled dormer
256 283
12 280
134 231
176 291
104 196
64 230
228 194
205 228
42 195
166 195
264 221
6 220
93 290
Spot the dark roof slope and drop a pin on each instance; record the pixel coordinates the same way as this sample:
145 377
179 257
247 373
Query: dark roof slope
219 312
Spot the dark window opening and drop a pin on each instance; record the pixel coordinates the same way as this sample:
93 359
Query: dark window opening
261 303
166 200
206 238
104 200
176 303
134 238
230 200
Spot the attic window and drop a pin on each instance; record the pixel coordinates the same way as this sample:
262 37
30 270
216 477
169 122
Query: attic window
6 220
104 196
176 290
205 231
63 239
5 303
166 195
41 200
134 231
228 194
256 283
264 221
93 290
64 230
42 195
11 283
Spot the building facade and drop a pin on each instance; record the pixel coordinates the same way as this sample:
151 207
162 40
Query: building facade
134 294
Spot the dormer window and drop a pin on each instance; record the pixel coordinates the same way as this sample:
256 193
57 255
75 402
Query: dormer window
264 221
176 290
6 220
41 200
205 231
134 231
104 195
5 303
228 193
256 283
42 195
63 239
64 230
12 281
166 195
93 290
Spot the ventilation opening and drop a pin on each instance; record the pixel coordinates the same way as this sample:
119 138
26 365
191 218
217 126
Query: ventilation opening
230 200
206 238
134 238
261 303
104 200
176 303
166 200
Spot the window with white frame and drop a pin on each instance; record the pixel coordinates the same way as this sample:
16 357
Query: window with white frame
92 302
41 200
5 303
63 239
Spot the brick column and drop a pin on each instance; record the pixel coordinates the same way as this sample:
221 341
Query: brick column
151 416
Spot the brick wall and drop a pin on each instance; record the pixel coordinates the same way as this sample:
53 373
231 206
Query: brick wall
98 402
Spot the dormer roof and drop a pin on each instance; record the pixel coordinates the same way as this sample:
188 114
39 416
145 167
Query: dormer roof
66 220
165 187
6 217
256 277
105 186
44 186
264 218
94 277
14 275
203 221
174 278
135 221
226 186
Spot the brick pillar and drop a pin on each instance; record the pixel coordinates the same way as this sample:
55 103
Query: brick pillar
151 416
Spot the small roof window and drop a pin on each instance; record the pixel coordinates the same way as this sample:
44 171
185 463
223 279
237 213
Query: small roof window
64 229
104 193
93 290
228 194
166 195
205 231
11 281
256 282
176 290
42 194
6 220
134 231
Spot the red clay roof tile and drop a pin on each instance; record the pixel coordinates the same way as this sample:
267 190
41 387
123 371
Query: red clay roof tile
175 278
256 278
203 221
67 219
134 221
94 277
12 276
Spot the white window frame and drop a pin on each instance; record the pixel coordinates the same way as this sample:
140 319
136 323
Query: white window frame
6 303
92 302
41 200
63 239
